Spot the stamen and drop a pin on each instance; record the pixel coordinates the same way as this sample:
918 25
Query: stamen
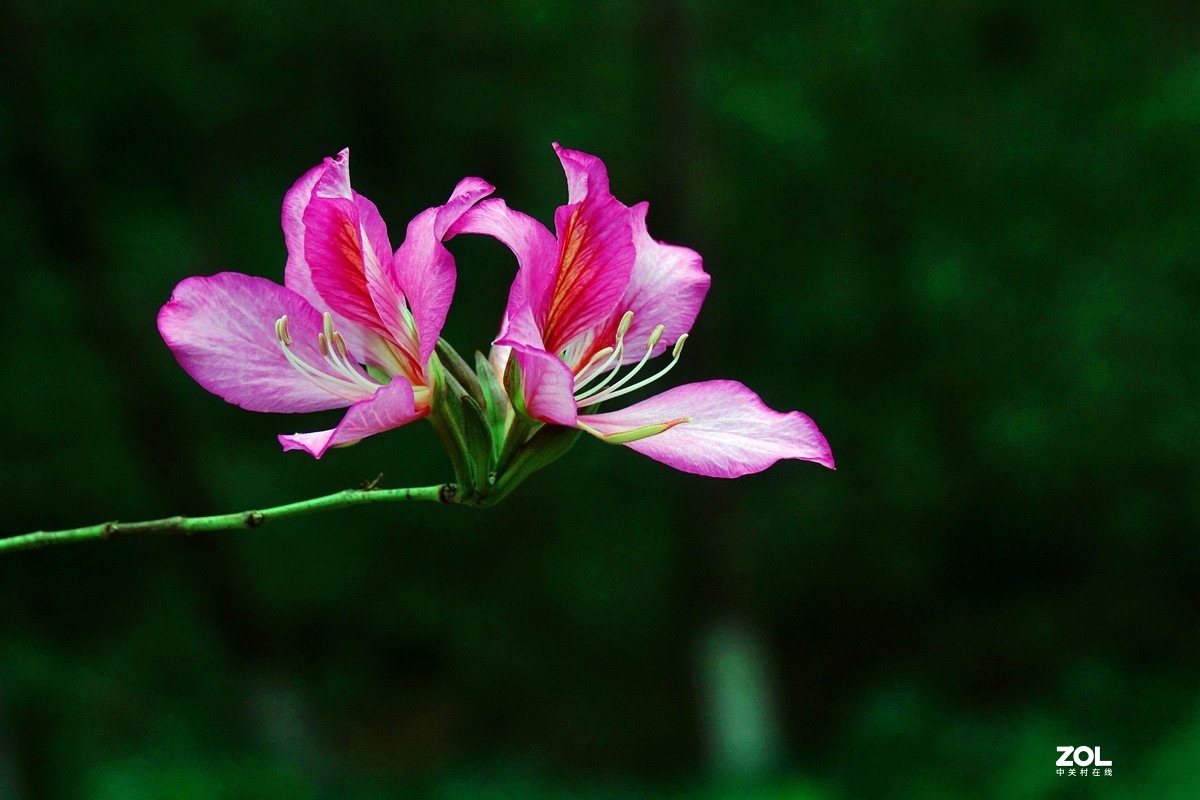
343 365
613 360
653 340
348 383
617 392
623 326
281 330
583 377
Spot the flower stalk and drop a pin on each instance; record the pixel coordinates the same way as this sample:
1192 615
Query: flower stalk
239 520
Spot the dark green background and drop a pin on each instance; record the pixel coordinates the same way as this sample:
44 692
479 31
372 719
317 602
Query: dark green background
961 235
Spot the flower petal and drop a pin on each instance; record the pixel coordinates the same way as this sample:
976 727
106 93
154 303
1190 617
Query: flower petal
586 174
596 256
334 253
467 193
423 269
547 385
667 287
390 407
728 430
222 331
298 277
346 247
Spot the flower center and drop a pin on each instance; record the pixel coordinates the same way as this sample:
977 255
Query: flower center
609 359
346 380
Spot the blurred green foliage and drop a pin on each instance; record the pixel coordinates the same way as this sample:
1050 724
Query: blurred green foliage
961 235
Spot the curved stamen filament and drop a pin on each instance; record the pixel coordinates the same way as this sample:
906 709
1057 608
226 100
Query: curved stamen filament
584 376
602 391
614 360
333 348
653 340
617 391
348 383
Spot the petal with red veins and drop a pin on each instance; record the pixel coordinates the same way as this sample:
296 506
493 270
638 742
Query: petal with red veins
222 331
596 256
297 275
390 407
728 430
337 259
347 250
384 285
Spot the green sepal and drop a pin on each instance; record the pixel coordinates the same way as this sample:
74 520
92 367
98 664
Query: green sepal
513 388
478 440
462 373
546 446
497 405
446 416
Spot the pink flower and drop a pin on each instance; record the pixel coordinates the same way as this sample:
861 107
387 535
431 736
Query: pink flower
601 295
352 327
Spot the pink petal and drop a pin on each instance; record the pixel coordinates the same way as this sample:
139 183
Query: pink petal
222 331
376 248
667 287
586 174
390 407
341 256
384 286
520 328
596 256
467 193
298 275
729 432
424 270
547 385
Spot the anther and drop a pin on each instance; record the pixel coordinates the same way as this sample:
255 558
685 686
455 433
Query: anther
340 344
679 346
623 327
281 331
345 382
654 337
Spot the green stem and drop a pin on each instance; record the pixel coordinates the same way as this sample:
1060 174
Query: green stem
444 493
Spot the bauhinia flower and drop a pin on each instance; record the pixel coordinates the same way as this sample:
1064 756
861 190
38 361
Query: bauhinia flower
592 305
353 326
